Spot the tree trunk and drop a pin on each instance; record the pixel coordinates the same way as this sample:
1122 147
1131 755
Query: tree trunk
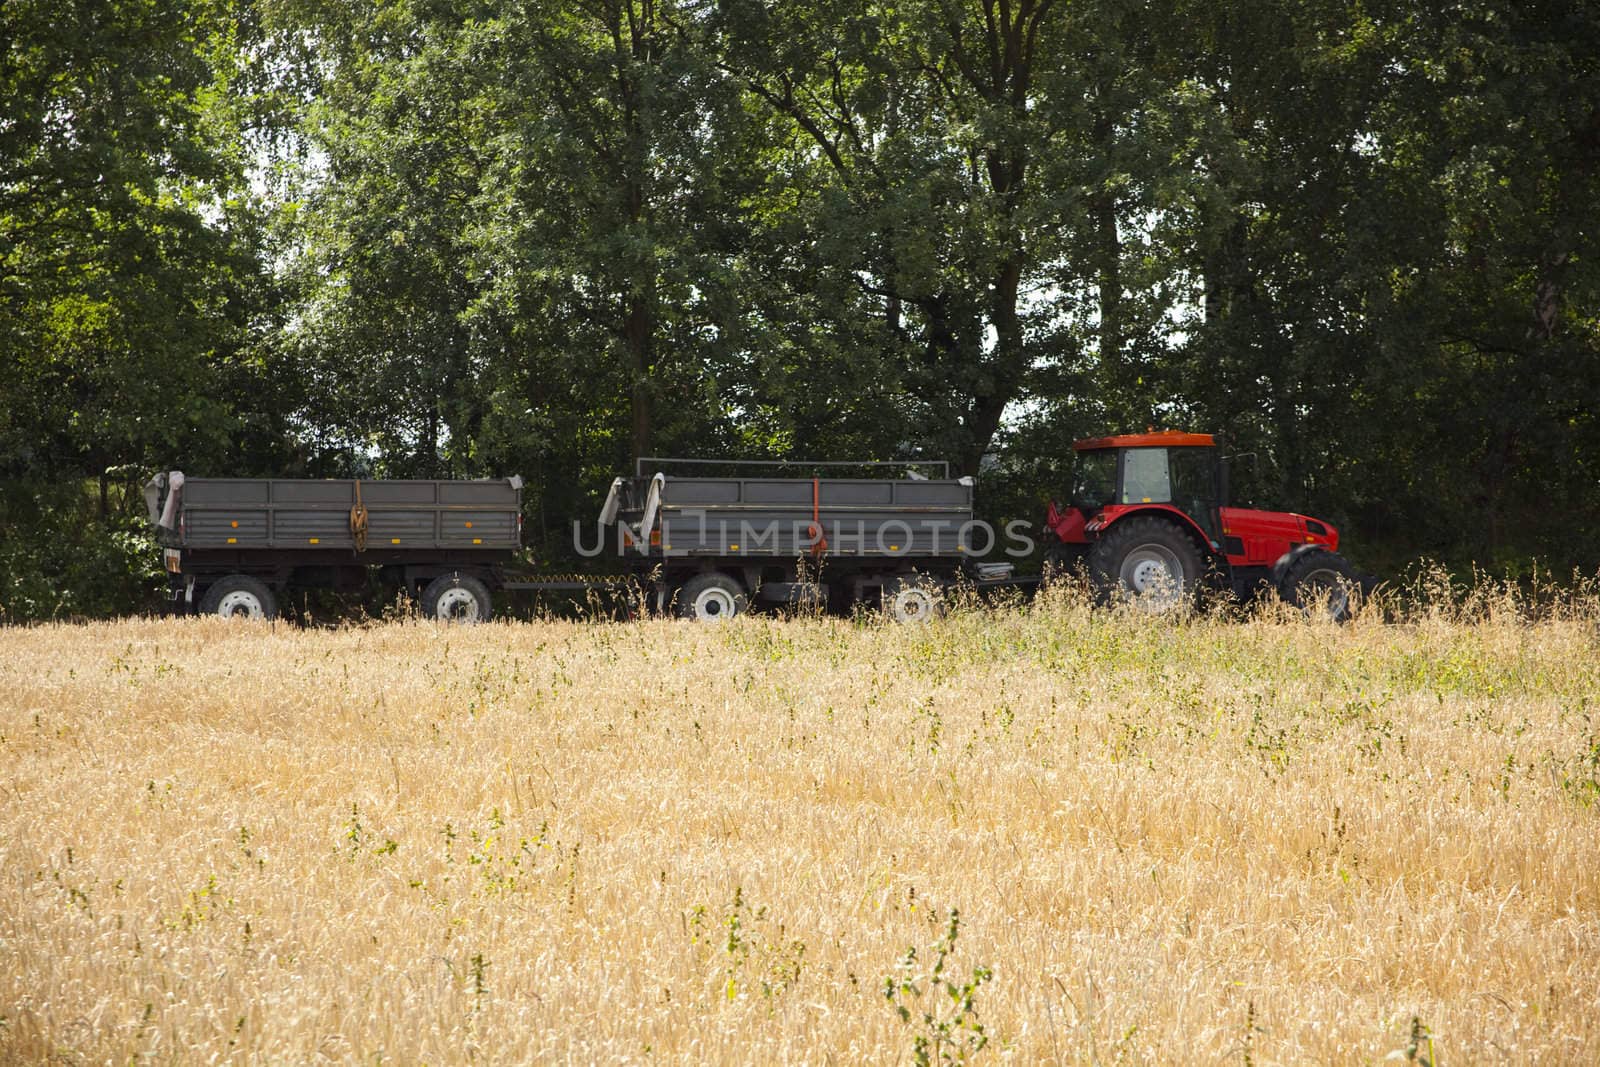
1112 364
635 55
1108 267
637 330
431 445
1008 364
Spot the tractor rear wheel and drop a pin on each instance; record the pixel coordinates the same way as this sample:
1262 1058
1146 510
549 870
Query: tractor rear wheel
1149 561
1321 581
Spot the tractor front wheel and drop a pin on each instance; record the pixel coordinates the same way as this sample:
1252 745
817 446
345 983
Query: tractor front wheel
1148 561
1321 581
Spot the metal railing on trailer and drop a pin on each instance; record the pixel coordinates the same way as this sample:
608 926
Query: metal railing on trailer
833 464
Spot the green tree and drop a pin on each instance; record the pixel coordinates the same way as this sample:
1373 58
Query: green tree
129 260
1386 233
132 282
974 183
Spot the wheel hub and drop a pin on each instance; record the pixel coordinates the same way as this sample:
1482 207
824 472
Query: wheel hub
913 605
1148 573
240 604
457 605
714 605
1153 574
1328 587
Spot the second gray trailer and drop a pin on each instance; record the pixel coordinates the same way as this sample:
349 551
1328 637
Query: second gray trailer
711 547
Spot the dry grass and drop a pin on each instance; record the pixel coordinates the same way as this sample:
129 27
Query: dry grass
1207 841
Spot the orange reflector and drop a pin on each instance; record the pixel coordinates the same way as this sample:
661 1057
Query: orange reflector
469 525
235 524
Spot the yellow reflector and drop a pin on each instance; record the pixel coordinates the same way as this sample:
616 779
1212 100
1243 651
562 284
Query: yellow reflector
233 540
734 547
316 540
477 540
394 540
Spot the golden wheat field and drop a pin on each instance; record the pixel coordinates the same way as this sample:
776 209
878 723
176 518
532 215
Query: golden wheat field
1043 835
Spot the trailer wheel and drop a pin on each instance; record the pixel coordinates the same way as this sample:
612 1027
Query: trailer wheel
457 598
239 596
1323 581
1150 561
711 597
910 600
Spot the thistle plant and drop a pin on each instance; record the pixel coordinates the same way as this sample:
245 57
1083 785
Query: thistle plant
940 1009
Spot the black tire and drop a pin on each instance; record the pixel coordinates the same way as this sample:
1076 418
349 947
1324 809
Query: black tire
239 596
913 600
1323 580
458 598
712 597
1136 558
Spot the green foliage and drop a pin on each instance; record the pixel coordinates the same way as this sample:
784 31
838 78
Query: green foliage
129 265
464 237
940 1009
59 559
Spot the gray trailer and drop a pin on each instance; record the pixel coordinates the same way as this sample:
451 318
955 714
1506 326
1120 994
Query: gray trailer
711 547
234 546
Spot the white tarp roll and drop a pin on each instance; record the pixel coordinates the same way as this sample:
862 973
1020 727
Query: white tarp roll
652 504
152 497
169 514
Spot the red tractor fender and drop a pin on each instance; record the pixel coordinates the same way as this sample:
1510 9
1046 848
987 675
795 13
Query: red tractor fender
1111 514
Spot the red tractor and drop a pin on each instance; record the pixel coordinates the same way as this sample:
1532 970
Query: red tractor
1149 516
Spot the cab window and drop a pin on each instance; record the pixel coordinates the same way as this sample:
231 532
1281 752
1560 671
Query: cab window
1094 481
1194 479
1145 477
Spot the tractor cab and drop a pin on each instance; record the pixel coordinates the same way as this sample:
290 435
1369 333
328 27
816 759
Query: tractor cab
1150 510
1173 471
1177 469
